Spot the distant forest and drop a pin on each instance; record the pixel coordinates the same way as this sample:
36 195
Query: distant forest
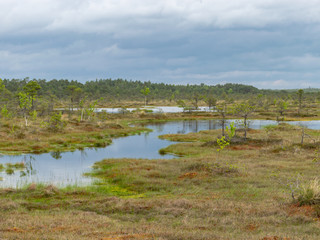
120 89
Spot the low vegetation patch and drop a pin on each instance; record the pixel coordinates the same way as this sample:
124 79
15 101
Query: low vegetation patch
213 168
309 193
75 135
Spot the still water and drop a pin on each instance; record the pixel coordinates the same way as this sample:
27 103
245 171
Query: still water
151 109
67 168
158 109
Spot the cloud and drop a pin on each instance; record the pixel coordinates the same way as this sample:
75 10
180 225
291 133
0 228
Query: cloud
265 43
110 16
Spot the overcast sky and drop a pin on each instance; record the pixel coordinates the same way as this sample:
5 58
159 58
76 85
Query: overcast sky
264 43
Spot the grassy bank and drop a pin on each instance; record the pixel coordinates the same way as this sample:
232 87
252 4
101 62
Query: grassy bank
35 138
250 190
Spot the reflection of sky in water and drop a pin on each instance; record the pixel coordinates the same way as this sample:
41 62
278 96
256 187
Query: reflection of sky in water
67 168
158 109
154 109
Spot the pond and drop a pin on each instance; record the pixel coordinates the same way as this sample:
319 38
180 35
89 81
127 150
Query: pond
67 168
157 109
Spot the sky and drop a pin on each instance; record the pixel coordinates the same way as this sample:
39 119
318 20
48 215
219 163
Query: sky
270 44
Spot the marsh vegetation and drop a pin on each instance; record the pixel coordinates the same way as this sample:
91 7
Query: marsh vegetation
253 189
261 185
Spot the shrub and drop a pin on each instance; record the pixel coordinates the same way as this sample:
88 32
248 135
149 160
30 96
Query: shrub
309 193
55 122
162 152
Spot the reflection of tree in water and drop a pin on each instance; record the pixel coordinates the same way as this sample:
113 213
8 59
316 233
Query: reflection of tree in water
146 134
160 127
83 155
196 125
28 163
214 124
183 130
56 155
192 125
188 126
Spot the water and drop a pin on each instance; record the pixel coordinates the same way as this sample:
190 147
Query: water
67 168
158 109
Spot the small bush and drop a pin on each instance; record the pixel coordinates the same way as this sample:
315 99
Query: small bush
55 123
309 193
162 152
100 144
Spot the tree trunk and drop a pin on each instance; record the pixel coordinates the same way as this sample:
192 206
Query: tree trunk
245 127
26 120
302 136
81 114
222 124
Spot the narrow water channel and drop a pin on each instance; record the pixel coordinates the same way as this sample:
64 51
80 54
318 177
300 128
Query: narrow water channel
67 168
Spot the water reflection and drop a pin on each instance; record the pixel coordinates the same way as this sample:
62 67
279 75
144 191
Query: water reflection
63 168
28 163
158 109
56 155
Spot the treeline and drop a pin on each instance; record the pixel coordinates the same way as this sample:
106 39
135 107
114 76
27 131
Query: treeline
121 89
114 91
32 98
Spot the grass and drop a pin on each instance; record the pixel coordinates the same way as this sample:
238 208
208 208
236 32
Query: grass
18 165
76 135
242 192
10 168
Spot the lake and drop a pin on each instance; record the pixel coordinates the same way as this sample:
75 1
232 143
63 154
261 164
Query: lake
67 168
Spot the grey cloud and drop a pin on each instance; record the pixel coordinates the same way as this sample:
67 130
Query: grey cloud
113 15
264 43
